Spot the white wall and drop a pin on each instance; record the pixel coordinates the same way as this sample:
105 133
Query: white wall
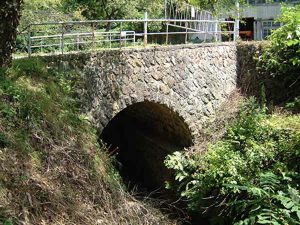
263 11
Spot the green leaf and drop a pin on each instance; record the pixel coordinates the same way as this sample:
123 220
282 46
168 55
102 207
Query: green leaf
8 222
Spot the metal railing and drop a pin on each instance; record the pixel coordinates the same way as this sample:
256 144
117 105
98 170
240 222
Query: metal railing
64 37
78 40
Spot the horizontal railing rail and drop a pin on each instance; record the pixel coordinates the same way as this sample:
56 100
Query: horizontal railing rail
61 37
131 20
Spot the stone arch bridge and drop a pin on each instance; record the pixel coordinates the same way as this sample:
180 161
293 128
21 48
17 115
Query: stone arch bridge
151 101
190 80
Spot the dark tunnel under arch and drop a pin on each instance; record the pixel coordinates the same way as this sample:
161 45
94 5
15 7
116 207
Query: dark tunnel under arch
145 133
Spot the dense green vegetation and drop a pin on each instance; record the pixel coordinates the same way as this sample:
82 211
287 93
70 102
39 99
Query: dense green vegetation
53 10
110 9
281 59
250 176
116 9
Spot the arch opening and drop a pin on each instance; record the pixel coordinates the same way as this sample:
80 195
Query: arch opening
141 136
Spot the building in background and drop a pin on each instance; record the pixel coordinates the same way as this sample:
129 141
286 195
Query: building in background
258 19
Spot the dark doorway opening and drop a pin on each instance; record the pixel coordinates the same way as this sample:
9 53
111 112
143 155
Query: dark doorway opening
142 135
247 29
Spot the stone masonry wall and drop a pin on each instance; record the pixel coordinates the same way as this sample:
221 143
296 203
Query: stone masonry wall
191 80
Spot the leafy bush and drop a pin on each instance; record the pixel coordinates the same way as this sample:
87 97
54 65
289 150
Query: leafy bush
271 200
294 105
282 58
250 176
283 55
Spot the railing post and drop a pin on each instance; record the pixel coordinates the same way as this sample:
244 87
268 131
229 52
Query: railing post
145 29
236 30
121 34
167 35
77 42
124 38
186 32
93 36
237 22
62 44
216 31
29 41
109 39
41 44
205 28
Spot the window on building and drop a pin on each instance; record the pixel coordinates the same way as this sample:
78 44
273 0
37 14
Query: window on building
268 26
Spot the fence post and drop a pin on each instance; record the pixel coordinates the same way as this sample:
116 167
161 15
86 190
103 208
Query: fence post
121 35
186 32
125 41
109 39
29 41
77 42
205 28
93 36
41 44
145 29
216 31
62 44
167 35
236 30
237 22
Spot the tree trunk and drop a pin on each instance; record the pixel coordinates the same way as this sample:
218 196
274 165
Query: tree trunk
10 11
